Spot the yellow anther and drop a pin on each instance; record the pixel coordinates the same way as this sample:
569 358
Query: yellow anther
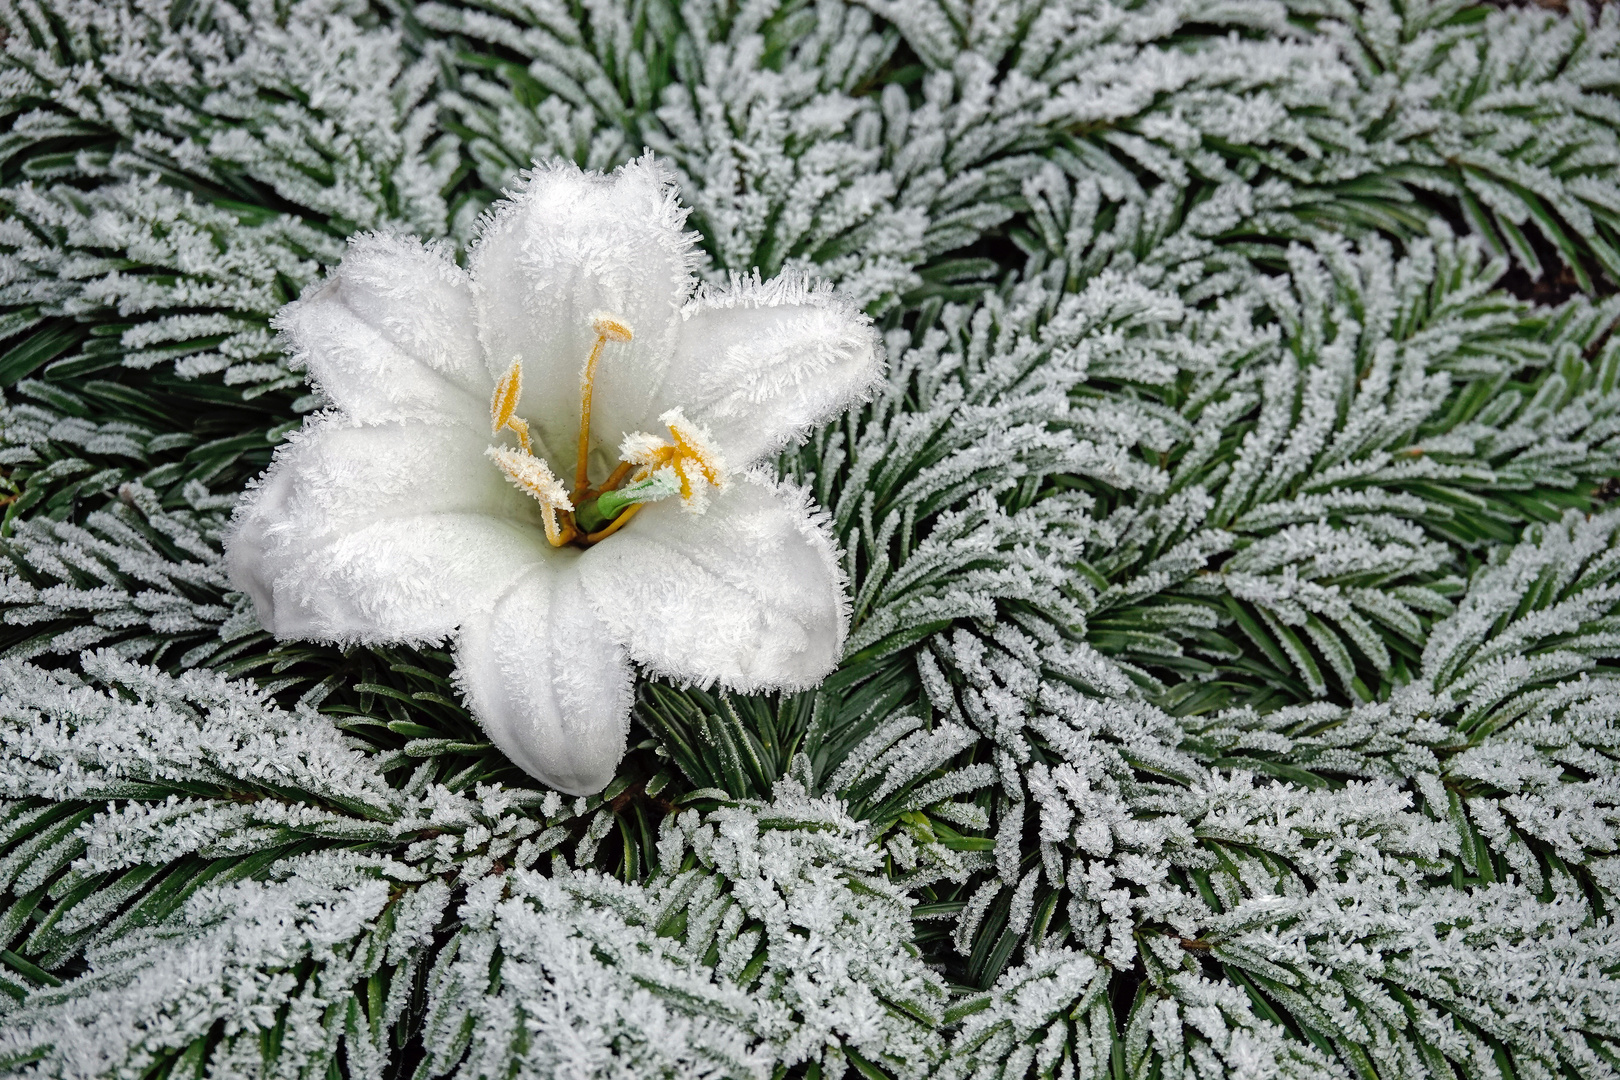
503 406
608 327
692 455
611 327
693 452
534 478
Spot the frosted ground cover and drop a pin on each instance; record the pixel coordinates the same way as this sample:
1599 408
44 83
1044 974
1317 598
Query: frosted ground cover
1230 683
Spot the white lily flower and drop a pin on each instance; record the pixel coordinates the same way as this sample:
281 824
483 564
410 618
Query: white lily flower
397 516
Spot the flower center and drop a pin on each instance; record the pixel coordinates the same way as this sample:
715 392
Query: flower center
649 469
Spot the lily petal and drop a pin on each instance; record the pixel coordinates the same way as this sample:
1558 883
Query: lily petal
566 246
761 363
547 682
393 532
392 334
748 595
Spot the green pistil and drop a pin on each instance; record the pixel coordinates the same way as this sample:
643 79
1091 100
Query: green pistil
594 515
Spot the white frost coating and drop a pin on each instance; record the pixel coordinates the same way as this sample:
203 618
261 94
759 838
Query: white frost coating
547 680
765 609
65 740
760 363
383 521
821 966
590 994
230 958
111 574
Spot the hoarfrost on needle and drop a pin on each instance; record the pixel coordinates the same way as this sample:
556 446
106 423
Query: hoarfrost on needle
429 503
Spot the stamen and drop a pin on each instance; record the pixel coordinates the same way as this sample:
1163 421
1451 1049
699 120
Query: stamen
503 407
534 478
693 456
611 327
615 525
693 448
612 482
608 328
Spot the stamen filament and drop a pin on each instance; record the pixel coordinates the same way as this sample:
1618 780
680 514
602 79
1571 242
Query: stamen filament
612 483
533 477
608 327
615 525
557 536
566 535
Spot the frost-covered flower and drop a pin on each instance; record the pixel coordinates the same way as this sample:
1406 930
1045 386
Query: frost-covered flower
427 504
